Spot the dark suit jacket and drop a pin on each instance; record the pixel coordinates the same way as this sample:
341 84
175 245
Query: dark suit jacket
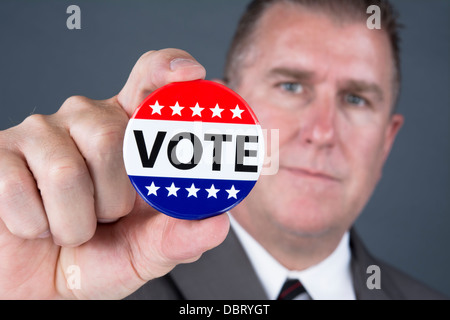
226 273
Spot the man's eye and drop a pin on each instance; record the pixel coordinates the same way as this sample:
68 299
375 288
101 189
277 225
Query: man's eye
355 100
292 87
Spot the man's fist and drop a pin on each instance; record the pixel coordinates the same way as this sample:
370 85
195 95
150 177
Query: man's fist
63 187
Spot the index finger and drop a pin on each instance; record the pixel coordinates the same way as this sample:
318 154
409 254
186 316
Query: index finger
155 69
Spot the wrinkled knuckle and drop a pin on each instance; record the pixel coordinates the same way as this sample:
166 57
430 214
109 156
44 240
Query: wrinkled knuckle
36 122
75 103
66 173
14 187
75 100
107 140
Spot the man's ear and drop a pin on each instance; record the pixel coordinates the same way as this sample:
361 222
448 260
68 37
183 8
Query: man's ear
396 122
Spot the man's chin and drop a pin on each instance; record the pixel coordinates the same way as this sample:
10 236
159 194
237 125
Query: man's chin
303 224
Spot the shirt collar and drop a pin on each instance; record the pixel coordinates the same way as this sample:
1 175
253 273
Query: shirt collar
329 279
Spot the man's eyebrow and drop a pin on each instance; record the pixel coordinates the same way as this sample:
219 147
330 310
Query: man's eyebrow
296 74
361 86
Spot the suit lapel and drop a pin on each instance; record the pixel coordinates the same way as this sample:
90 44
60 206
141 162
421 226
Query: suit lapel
226 273
222 273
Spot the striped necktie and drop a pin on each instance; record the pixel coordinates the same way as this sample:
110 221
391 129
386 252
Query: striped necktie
293 290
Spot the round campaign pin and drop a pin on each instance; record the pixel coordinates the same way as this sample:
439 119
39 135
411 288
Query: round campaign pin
193 149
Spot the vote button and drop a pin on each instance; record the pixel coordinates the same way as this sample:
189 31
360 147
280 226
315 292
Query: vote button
194 149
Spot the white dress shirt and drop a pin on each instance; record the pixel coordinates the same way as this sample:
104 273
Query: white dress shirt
330 279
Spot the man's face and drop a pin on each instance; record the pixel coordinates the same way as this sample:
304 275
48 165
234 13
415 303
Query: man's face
327 87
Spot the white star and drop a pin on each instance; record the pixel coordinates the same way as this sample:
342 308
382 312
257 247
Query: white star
152 189
216 111
172 190
192 191
237 112
232 193
212 192
197 110
156 108
176 109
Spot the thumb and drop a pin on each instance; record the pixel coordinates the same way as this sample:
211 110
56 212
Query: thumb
159 242
155 69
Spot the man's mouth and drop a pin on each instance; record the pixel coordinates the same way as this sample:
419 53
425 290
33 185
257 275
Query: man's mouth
313 174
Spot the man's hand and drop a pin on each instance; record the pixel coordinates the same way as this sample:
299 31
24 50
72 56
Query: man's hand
65 198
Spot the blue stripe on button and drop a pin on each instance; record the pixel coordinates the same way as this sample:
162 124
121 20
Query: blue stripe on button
191 208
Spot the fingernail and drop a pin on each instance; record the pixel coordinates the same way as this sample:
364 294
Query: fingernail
179 63
44 235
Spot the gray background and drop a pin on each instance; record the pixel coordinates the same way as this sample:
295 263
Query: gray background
407 221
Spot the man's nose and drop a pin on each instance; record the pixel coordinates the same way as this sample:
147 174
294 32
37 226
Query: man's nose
318 123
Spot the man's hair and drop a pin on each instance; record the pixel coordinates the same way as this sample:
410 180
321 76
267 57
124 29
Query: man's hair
342 10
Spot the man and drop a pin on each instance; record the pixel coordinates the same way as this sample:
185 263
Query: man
314 70
309 68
